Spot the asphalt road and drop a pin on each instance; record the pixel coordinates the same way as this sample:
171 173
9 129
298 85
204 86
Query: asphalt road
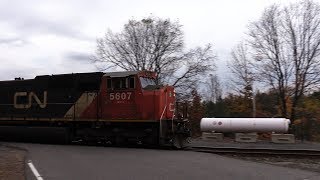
66 162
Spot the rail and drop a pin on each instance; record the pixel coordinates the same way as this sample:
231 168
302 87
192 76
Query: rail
256 151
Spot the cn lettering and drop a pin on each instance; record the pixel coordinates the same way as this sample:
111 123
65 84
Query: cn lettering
30 96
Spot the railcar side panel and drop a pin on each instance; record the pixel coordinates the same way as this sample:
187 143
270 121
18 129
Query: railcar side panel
47 96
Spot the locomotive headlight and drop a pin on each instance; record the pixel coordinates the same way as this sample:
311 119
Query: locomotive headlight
174 93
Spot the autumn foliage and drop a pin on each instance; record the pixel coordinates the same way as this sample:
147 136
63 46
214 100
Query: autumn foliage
196 112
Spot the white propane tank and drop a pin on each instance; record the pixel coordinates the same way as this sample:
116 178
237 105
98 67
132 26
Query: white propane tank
280 125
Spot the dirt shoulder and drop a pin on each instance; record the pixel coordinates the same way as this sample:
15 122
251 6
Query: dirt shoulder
12 163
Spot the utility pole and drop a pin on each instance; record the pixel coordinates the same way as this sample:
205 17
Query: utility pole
254 109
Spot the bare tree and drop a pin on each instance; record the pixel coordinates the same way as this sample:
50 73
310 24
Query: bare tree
286 42
302 35
271 62
213 88
241 67
195 64
157 45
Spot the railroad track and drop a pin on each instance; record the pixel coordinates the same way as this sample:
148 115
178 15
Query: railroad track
256 151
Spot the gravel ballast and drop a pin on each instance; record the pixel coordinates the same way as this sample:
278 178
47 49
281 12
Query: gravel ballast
12 163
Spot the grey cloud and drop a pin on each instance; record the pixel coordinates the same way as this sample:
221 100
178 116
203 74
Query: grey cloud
9 73
28 22
39 26
78 56
13 41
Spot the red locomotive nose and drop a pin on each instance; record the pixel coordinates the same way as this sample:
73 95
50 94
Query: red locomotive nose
170 102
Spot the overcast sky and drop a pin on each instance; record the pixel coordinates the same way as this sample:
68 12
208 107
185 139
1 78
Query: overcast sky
58 36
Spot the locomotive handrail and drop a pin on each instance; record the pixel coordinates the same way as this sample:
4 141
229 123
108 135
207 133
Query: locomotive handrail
160 121
164 109
174 111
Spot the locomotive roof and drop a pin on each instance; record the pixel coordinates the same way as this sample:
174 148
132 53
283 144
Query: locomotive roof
121 73
86 74
111 74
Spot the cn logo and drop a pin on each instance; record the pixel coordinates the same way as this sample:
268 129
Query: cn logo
26 104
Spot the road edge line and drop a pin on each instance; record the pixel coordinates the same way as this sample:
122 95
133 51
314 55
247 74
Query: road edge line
34 170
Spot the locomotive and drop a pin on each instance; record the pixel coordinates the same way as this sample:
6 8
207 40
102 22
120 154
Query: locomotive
112 107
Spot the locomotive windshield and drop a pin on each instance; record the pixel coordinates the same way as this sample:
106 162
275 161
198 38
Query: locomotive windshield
121 83
147 82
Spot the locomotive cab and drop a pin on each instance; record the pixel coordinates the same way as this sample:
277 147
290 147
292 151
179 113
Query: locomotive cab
135 96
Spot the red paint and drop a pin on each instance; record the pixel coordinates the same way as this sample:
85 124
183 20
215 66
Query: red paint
132 104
